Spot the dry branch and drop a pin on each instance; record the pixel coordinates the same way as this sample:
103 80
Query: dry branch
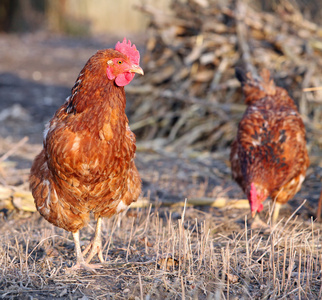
190 60
203 201
16 198
14 149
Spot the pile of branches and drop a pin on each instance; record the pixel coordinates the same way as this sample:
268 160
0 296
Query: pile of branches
189 97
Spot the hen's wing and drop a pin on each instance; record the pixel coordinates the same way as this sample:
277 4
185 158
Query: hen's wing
295 156
84 167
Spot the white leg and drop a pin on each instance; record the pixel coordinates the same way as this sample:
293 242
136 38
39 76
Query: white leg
96 245
80 262
276 212
79 255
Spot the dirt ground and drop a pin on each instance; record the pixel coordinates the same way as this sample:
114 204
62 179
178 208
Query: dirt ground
36 75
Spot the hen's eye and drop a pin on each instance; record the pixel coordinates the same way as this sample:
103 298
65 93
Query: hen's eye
119 62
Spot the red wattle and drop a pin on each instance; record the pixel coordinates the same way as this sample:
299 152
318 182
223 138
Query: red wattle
124 78
260 207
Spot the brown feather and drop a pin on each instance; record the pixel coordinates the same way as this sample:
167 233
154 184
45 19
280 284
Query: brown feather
87 164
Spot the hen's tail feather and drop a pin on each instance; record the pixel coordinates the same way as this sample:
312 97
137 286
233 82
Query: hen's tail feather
249 82
241 75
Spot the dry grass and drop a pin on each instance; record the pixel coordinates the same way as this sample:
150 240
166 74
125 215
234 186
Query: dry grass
183 253
173 252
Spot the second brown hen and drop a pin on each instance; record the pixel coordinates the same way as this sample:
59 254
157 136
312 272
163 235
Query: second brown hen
269 155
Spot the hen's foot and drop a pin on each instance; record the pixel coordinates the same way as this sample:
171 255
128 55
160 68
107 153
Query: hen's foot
95 247
257 223
85 266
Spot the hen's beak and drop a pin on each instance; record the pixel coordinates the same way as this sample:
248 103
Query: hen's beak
136 69
253 214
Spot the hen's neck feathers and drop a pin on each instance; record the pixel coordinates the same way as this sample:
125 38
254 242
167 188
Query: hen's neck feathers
92 87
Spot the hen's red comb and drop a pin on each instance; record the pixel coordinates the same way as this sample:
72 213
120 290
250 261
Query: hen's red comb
130 51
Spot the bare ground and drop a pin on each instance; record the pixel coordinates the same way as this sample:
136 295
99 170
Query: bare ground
157 252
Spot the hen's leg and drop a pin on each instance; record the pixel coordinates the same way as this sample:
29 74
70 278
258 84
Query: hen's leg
80 261
96 244
276 212
79 256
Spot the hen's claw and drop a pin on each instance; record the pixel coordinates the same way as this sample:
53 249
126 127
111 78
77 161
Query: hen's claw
257 223
85 266
95 246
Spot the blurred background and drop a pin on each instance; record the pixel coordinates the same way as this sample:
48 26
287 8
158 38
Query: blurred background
87 17
73 17
186 108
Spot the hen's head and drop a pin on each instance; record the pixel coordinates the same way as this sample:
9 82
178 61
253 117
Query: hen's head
124 63
255 197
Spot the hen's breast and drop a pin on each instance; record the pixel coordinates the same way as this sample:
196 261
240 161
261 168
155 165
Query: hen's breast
88 144
79 154
93 158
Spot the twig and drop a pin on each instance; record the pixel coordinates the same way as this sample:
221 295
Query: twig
141 287
318 214
129 264
312 89
292 215
202 201
242 40
306 80
14 148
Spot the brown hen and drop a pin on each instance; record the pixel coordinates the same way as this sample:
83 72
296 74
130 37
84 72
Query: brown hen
87 163
269 155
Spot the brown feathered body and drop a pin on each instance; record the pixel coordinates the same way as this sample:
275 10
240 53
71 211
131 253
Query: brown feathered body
87 163
269 155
